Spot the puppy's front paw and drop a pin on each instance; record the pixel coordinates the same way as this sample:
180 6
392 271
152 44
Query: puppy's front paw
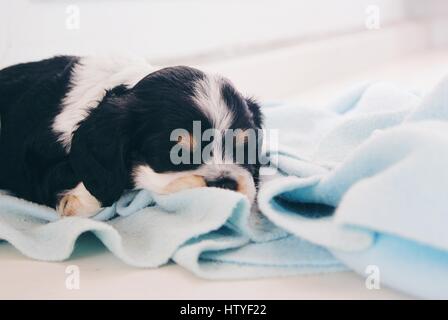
187 182
78 202
69 206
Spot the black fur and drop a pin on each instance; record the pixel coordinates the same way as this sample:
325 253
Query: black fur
32 164
129 126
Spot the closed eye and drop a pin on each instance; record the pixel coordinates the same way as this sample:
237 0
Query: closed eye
187 141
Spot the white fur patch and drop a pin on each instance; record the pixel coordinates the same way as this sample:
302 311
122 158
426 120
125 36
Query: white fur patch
145 177
208 97
91 77
85 204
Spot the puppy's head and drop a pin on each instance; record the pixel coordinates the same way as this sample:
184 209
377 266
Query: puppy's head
177 128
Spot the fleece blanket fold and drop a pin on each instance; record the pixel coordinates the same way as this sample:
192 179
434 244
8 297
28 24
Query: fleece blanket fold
211 232
378 156
358 183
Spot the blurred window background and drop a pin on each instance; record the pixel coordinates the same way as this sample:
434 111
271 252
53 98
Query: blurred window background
273 49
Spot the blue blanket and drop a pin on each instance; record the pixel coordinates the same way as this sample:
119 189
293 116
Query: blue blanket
379 156
359 183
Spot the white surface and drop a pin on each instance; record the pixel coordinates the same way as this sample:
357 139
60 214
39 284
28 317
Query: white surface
283 72
171 28
421 72
104 276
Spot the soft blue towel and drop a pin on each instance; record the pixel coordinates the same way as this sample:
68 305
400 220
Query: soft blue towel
211 232
364 178
379 155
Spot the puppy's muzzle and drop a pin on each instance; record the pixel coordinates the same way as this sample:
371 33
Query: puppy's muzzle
223 183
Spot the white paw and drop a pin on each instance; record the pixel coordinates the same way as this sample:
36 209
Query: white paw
183 183
78 202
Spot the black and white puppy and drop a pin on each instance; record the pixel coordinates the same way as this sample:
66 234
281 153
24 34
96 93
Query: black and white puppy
76 132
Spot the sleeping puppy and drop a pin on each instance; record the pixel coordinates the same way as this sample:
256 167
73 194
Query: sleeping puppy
76 132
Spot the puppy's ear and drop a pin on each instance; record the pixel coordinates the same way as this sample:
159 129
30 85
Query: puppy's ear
254 108
98 150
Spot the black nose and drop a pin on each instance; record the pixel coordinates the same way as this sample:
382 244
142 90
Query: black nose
223 183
